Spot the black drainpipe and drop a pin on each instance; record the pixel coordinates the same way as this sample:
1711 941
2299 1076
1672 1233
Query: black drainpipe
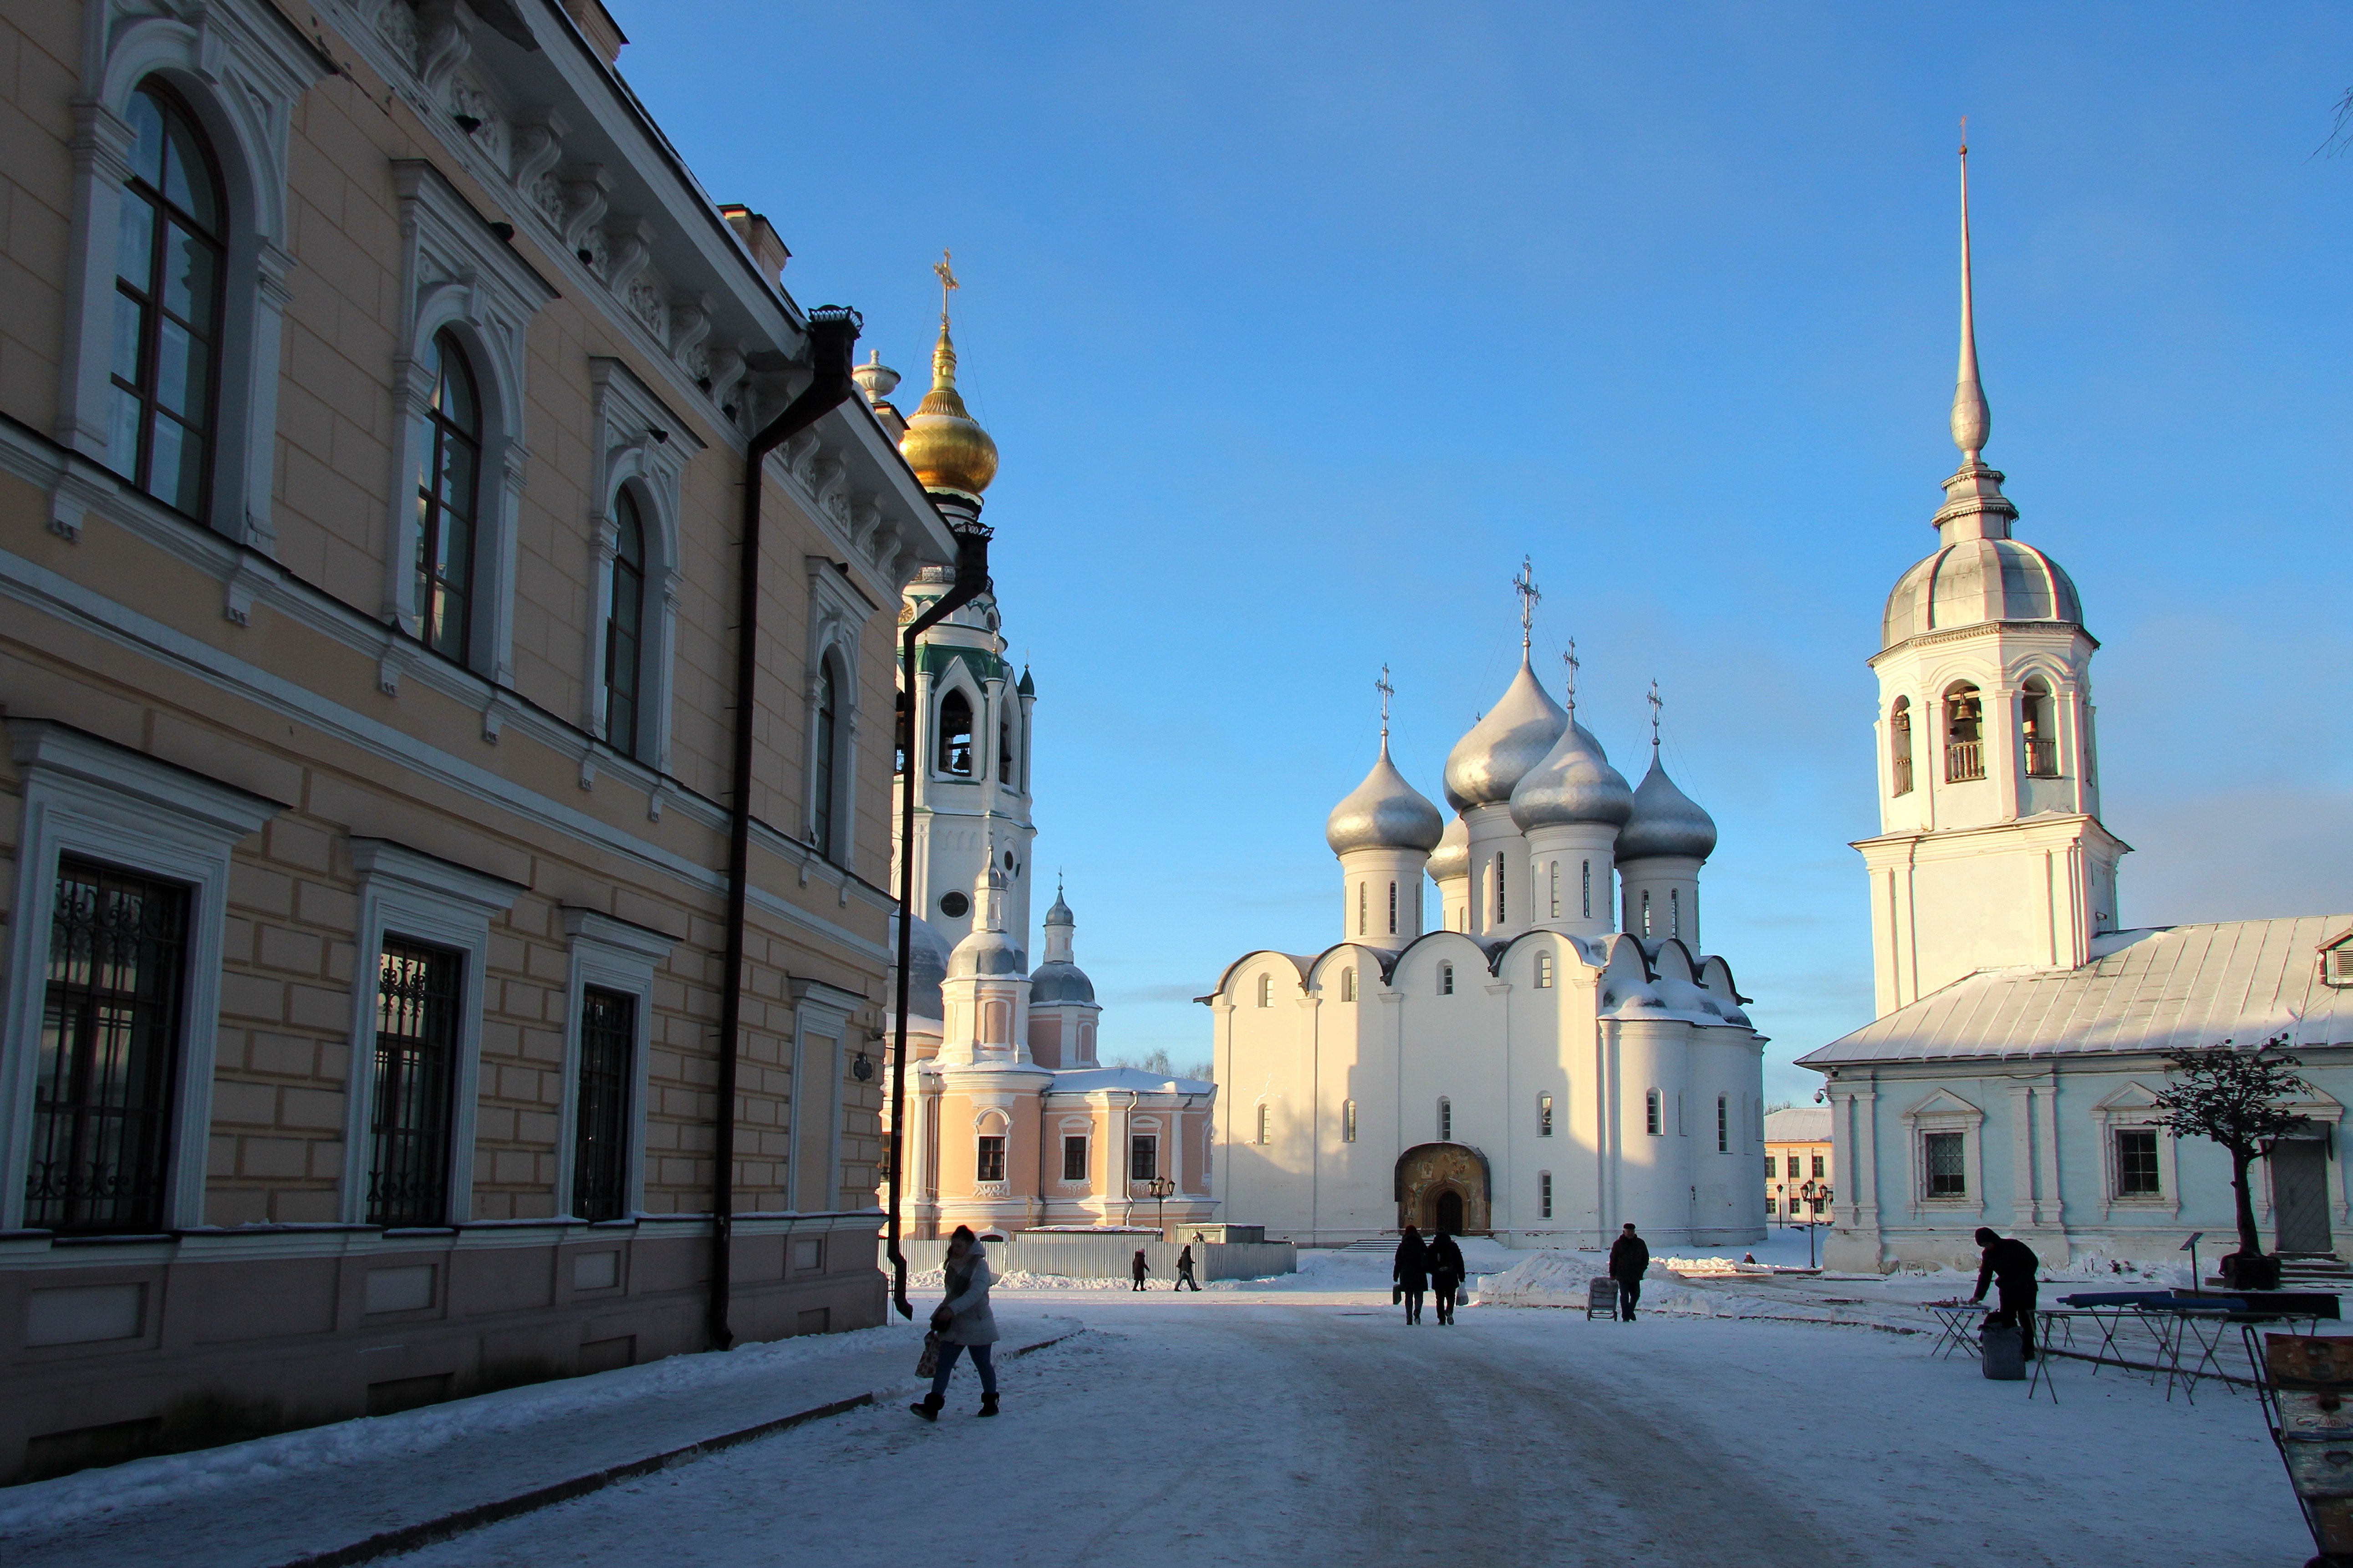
832 333
962 514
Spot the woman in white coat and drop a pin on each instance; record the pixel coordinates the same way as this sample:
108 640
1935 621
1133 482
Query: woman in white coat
964 1322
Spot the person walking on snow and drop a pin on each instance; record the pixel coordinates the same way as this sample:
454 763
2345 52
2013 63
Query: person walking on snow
1185 1272
1138 1269
964 1322
1411 1272
1630 1259
2009 1264
1446 1274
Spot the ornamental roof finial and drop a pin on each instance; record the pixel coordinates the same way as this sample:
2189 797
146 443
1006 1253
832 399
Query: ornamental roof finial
1972 420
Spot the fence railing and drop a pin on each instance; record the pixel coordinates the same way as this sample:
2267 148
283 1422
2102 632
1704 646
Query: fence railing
1964 760
2043 759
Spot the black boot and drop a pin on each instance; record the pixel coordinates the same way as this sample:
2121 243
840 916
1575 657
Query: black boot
987 1405
930 1407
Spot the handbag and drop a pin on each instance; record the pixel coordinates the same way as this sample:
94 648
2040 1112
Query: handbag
928 1363
1396 1294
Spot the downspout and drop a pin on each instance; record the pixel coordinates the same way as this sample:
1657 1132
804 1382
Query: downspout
971 581
832 330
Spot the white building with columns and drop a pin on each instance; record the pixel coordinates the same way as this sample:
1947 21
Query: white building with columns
1558 1055
2010 1076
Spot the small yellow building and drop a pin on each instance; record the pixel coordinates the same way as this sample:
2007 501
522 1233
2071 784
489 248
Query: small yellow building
1797 1170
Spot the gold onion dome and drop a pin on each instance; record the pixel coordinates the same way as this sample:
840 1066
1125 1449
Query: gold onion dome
944 444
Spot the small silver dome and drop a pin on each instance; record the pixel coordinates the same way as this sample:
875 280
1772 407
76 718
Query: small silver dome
1514 737
1056 981
1383 813
1972 581
1666 821
1573 784
985 954
927 966
1453 857
1060 915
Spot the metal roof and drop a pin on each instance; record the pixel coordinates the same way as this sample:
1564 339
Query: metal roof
2164 989
1799 1124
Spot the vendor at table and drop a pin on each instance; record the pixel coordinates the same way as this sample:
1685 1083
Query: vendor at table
2009 1265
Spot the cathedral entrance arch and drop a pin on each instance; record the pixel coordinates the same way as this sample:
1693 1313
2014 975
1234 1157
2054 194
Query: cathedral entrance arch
1444 1186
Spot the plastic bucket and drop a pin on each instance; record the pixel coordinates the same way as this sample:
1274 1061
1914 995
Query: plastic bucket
2003 1350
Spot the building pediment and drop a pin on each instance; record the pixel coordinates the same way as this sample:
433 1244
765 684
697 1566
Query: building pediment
1944 1104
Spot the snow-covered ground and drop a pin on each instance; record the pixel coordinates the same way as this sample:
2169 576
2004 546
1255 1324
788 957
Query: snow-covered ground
1292 1420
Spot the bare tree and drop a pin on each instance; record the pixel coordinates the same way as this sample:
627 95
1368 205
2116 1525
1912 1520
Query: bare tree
2232 1097
2340 132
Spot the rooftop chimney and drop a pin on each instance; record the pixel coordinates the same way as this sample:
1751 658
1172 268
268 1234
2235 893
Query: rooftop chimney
759 236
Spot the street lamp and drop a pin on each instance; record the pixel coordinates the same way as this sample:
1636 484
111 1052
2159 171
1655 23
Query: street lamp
1160 1187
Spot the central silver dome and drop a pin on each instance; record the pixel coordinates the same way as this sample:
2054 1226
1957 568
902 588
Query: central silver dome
1383 813
1573 784
1972 581
1487 763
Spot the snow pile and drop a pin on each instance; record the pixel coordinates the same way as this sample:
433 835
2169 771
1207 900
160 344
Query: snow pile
1713 1266
1017 1280
1560 1278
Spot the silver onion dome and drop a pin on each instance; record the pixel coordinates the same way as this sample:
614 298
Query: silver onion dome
1488 762
1060 915
984 952
1573 784
1058 981
927 966
1452 855
1972 581
1383 813
1666 821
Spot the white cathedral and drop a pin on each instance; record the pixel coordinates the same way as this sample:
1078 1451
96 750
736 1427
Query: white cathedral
1552 1062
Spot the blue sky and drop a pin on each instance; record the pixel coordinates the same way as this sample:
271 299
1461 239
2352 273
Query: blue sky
1298 325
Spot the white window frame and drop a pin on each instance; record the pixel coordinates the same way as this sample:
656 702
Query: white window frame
1543 972
241 69
820 1013
637 445
91 798
1945 1111
405 893
2133 1105
612 955
1083 1128
1654 1122
460 276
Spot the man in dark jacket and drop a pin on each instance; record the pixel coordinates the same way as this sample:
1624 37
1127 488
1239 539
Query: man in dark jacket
1445 1274
1411 1273
2009 1265
1137 1269
1630 1259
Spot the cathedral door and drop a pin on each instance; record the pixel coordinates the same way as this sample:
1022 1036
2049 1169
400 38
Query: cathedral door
2300 1194
1444 1183
1450 1213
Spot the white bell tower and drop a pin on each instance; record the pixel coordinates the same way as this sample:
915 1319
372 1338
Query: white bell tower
1991 853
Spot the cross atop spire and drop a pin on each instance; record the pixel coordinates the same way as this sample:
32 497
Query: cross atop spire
1655 706
1972 420
1569 659
1525 585
948 284
1387 691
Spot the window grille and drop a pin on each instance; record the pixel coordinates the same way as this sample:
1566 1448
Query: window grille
1499 888
110 1036
1943 1156
608 1038
1143 1157
1360 909
168 303
1543 1195
1446 980
1074 1158
450 436
1348 1122
1445 1120
625 642
989 1163
1770 1166
1543 972
1822 1165
1393 909
1552 879
1722 1125
1650 1113
1646 911
1676 913
416 1051
1544 1116
1588 889
2137 1175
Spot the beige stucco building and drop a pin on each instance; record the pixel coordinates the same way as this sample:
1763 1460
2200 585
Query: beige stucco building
379 391
1800 1165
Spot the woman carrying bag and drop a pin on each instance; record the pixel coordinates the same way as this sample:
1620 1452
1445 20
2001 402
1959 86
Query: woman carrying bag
963 1322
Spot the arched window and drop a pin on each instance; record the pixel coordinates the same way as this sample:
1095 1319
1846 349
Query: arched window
2035 729
898 735
1499 888
1005 749
822 764
954 750
1360 909
1445 1120
1674 912
169 267
1544 1116
1266 990
1650 1113
1348 983
1543 972
1553 875
1588 889
1393 909
625 626
1261 1125
446 494
1899 745
1964 733
1348 1122
1646 911
1446 980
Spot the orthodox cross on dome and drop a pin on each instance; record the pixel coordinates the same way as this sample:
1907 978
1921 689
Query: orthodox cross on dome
1655 706
1525 586
1387 691
1569 660
948 284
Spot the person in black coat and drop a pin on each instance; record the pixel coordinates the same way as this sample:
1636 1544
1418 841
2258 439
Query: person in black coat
2009 1265
1412 1272
1185 1272
1137 1269
1630 1259
1446 1273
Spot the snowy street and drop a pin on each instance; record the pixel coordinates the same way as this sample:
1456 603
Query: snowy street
1294 1421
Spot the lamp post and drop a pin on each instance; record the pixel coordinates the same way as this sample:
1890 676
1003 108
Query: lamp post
1160 1187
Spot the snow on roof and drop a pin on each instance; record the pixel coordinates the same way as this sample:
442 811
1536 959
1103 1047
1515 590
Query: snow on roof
1799 1124
2165 989
1091 1081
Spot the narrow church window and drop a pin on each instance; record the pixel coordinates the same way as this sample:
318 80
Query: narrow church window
1074 1158
1552 873
1499 888
1543 972
1674 912
1393 909
1266 990
1544 1116
1722 1126
1899 745
2137 1162
1588 889
1446 980
1445 1120
1360 908
1543 1195
1348 983
2035 727
1680 1133
1262 1126
1143 1157
1650 1113
1963 727
169 301
899 736
1941 1155
991 1165
956 735
1646 911
1348 1122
